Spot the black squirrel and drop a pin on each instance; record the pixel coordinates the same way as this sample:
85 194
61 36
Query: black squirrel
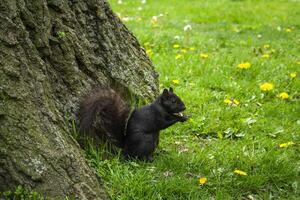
104 115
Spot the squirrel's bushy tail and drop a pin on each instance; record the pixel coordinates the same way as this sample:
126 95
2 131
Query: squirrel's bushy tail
103 115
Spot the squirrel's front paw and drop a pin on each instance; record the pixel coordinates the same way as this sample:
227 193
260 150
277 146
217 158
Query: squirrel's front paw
183 118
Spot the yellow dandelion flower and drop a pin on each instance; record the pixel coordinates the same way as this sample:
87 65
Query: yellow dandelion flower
283 95
298 63
149 52
202 181
176 46
203 55
236 102
192 48
175 81
178 56
232 102
265 56
293 75
228 101
266 46
245 65
183 50
287 144
240 172
266 87
288 30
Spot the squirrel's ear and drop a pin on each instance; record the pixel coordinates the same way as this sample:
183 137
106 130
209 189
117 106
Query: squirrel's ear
165 93
171 89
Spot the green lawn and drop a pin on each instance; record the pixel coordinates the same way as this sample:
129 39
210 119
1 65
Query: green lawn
234 124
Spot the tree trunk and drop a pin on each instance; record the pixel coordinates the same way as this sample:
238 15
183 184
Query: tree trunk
51 52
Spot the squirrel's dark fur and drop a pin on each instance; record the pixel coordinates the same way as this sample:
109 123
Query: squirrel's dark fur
105 116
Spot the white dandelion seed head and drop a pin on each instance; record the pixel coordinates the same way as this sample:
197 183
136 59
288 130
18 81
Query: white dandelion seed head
187 27
177 37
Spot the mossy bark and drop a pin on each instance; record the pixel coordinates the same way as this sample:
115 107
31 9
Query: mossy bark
51 52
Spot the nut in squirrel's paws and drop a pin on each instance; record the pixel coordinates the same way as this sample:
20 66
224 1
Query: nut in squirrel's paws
181 116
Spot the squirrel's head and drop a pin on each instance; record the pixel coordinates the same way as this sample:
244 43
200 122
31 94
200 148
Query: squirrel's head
171 102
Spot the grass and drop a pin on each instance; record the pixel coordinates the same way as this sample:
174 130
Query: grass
219 138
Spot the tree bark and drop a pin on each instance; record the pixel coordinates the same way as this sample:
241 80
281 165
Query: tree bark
51 52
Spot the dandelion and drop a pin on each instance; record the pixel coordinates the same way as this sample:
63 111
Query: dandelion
154 21
120 1
240 172
154 18
245 65
266 87
202 181
187 27
193 49
203 55
176 46
287 144
143 1
288 30
149 52
232 102
175 81
177 37
298 63
183 50
283 95
265 56
293 75
228 101
236 102
178 56
140 8
266 46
